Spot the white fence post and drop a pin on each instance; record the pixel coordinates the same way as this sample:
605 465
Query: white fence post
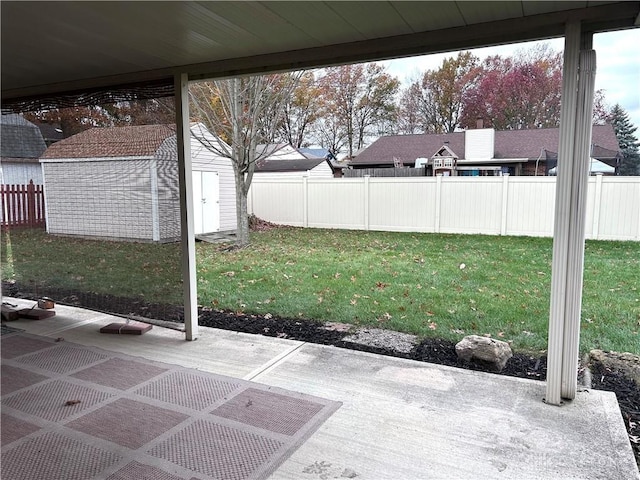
597 201
367 179
436 222
305 201
505 198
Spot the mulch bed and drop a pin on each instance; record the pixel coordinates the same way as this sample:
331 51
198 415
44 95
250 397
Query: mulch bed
429 350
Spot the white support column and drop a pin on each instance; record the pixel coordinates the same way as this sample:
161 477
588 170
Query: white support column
187 232
570 217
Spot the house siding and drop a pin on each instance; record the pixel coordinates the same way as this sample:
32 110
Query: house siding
20 173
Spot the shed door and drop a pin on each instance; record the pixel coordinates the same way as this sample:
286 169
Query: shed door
206 202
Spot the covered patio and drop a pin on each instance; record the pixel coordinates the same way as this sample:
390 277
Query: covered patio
396 418
83 53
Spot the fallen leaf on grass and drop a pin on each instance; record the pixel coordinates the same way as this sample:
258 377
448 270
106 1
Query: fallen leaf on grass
433 325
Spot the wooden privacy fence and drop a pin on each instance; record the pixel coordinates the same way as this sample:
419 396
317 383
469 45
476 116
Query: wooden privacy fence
518 206
22 205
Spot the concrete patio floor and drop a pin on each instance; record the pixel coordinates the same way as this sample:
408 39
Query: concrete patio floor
400 419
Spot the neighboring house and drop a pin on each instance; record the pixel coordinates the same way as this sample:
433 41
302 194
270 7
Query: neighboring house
21 145
336 165
483 151
283 160
51 132
122 183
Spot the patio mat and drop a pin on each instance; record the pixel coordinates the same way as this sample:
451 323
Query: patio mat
76 412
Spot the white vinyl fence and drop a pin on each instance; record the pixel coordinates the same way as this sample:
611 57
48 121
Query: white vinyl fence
471 205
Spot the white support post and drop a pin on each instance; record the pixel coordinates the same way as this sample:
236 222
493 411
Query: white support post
187 232
570 217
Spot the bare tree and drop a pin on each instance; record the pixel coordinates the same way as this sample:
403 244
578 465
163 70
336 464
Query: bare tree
301 111
242 113
359 99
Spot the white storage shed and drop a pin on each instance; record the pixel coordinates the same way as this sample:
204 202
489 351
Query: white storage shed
122 183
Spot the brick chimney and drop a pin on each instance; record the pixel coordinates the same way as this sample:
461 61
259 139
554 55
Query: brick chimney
479 122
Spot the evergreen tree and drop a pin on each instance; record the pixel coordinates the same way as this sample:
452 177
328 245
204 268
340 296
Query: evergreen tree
628 142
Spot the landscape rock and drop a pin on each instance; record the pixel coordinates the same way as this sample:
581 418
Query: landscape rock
387 339
627 363
488 352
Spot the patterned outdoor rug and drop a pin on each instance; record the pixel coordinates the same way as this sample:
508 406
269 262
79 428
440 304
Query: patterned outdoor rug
76 412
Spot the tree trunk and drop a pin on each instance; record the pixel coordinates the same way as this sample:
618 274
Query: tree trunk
242 233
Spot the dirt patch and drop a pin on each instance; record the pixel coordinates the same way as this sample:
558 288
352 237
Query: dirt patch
620 373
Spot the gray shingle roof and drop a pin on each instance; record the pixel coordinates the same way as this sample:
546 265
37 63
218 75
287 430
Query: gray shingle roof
133 141
301 165
508 144
20 139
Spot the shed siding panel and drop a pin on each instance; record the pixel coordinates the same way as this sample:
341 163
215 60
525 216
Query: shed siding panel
168 199
206 161
105 199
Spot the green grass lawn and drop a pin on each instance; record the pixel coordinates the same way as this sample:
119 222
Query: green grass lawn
443 286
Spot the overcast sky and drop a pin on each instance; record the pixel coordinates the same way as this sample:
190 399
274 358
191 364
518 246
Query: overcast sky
617 60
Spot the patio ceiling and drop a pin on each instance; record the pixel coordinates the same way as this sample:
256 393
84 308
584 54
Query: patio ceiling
56 48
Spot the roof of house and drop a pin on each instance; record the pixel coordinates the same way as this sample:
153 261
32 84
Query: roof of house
51 132
20 139
301 165
314 152
132 141
508 144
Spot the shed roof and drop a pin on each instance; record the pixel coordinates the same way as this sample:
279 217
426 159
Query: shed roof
131 141
19 138
508 144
